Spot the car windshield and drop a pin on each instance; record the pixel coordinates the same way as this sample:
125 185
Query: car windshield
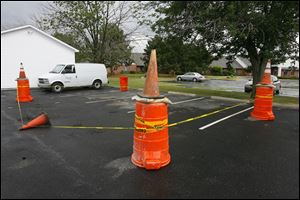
57 69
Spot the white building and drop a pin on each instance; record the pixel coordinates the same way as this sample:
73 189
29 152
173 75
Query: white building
38 51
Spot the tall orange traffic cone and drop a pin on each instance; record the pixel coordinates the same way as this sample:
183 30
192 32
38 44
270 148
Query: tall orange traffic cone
264 97
151 140
38 121
23 90
151 84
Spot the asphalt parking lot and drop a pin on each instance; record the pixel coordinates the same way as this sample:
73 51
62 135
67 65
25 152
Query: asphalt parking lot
236 158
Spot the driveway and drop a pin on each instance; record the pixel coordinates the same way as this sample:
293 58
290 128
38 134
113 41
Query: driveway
234 158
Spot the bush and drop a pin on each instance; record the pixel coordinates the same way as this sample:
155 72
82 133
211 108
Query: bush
216 70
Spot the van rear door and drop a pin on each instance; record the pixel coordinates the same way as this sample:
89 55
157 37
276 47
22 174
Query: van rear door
69 76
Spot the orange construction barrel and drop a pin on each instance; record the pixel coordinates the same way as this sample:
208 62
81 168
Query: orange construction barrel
263 104
123 83
151 139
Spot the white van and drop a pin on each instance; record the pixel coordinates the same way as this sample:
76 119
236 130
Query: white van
74 75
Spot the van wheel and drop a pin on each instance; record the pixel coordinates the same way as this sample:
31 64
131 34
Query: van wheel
57 87
97 84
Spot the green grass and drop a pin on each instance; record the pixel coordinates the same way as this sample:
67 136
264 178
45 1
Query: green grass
136 81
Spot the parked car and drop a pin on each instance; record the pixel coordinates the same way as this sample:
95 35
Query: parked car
190 76
275 81
74 75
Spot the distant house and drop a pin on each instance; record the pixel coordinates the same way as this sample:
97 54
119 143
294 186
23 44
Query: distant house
138 63
239 64
38 51
287 69
136 66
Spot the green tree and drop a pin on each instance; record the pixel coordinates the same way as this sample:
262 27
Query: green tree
94 27
72 40
257 30
175 56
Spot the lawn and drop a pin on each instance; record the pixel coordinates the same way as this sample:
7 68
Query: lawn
167 83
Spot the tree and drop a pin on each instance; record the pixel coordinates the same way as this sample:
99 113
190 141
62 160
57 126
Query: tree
174 56
94 27
258 30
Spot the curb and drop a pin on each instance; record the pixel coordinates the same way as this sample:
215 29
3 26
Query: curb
182 93
292 106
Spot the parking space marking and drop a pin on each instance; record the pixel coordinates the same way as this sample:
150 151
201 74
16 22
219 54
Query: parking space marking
215 122
177 102
112 99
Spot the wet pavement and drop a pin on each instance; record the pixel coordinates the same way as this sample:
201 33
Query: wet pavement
236 158
289 87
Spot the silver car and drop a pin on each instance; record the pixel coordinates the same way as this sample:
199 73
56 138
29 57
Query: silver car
275 81
190 76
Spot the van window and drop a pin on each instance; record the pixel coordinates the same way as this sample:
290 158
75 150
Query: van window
69 69
57 69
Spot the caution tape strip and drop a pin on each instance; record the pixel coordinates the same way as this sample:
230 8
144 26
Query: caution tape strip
153 128
204 115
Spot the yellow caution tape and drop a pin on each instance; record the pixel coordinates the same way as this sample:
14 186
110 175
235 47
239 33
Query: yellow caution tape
96 127
155 125
204 115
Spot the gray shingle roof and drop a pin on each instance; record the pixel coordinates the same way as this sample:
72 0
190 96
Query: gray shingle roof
222 62
137 58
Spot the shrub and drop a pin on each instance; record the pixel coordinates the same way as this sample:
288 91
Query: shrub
216 70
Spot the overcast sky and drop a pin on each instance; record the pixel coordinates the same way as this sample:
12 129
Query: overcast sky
19 13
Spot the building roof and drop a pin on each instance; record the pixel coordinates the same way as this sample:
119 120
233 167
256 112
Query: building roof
137 58
42 32
239 62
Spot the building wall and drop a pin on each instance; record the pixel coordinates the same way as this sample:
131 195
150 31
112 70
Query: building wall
119 69
38 53
286 73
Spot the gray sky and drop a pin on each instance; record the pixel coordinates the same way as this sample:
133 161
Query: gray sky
19 13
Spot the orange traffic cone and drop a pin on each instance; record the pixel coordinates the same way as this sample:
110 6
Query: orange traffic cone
22 72
267 74
151 85
151 140
23 90
40 120
264 97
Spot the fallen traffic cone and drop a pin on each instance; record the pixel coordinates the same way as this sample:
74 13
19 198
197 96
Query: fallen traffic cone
151 140
23 90
264 97
38 121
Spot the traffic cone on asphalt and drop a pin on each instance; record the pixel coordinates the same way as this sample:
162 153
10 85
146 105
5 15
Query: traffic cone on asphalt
38 121
151 140
264 97
23 90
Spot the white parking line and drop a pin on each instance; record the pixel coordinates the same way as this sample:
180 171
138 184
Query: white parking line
103 100
188 100
177 102
215 122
